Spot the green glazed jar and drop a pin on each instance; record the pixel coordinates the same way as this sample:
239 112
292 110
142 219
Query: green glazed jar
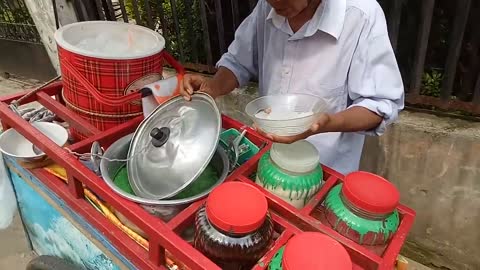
311 251
291 171
363 208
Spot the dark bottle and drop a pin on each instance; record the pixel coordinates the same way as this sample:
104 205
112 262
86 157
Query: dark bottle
234 228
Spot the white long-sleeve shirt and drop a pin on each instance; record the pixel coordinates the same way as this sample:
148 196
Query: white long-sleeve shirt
342 54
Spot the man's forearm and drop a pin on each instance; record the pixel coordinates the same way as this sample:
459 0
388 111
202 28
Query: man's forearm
223 82
354 119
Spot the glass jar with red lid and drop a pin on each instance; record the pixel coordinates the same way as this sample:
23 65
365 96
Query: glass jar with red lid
311 251
234 228
363 208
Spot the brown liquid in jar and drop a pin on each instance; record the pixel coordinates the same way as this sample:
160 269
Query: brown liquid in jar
233 228
231 251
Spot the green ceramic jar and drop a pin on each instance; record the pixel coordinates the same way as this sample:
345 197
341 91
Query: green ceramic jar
291 171
363 208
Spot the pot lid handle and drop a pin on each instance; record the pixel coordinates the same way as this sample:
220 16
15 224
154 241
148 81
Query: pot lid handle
159 136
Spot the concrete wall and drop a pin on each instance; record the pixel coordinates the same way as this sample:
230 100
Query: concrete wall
42 14
435 162
25 59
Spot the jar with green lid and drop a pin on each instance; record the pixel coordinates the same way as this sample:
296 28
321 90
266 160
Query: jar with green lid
363 208
311 251
291 171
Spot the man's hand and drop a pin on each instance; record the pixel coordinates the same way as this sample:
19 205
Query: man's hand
319 126
195 83
221 84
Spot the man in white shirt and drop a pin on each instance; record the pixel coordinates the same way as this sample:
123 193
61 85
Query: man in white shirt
335 49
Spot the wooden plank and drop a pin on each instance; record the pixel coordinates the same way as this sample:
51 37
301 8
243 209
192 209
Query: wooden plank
455 42
422 46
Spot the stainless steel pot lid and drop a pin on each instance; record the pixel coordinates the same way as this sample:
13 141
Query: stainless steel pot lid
173 146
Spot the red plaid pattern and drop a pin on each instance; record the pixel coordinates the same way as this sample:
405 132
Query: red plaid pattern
110 78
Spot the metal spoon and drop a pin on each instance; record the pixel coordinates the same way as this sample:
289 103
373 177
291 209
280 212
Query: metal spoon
235 151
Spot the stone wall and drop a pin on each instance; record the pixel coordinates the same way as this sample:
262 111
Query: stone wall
435 162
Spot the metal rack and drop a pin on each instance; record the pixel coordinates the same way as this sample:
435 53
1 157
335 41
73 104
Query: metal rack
164 237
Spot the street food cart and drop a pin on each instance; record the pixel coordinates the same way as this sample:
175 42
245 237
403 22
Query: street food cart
73 211
69 218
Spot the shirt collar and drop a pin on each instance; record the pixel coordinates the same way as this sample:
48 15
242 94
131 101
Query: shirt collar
328 18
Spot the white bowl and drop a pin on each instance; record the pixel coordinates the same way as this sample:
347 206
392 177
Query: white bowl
13 144
286 115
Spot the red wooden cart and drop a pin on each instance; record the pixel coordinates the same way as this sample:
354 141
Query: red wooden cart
164 238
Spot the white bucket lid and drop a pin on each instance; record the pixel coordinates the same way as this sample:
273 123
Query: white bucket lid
298 157
117 40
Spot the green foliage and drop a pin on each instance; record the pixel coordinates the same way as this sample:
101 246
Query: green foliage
432 83
182 39
14 14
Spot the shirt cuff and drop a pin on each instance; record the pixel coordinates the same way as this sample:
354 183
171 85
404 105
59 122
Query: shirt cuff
387 109
228 61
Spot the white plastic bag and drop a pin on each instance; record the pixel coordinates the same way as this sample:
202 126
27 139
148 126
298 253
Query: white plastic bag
8 202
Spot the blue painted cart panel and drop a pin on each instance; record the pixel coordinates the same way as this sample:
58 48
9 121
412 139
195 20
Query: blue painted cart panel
52 232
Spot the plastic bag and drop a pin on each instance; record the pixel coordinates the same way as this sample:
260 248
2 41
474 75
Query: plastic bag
8 202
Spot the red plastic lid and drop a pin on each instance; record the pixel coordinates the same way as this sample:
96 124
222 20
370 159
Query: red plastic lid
315 251
370 193
236 207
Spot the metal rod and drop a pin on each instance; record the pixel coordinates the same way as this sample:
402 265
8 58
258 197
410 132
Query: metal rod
476 92
138 19
99 5
220 29
55 14
148 10
177 30
206 33
124 10
455 42
161 13
235 13
394 24
191 36
422 46
110 9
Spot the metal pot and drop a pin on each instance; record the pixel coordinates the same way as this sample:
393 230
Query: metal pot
165 209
